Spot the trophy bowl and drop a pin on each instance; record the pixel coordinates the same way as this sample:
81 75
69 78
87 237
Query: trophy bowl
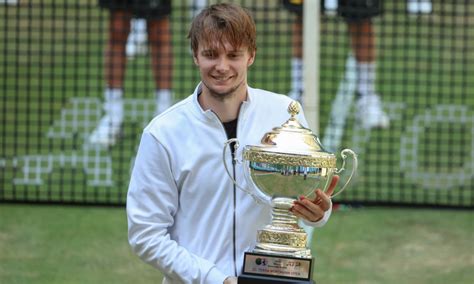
289 162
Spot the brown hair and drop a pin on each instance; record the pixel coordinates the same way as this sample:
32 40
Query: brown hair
223 22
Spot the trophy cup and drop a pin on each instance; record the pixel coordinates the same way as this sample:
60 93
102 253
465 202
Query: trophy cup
289 162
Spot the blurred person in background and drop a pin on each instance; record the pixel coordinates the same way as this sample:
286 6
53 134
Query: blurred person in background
137 38
358 15
156 13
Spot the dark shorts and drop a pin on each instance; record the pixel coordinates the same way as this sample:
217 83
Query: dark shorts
351 10
147 9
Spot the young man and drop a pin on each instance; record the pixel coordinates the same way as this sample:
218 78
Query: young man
358 15
156 14
185 215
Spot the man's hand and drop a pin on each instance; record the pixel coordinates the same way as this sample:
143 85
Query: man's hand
313 210
230 280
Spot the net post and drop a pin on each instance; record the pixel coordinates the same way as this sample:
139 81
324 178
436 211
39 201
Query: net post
311 37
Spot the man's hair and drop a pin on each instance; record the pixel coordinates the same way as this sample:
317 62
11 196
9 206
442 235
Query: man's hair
220 23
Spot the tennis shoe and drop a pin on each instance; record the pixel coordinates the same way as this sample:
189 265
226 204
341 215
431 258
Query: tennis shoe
107 131
164 99
370 113
296 95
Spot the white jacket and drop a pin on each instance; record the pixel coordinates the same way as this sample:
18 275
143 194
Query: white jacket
185 216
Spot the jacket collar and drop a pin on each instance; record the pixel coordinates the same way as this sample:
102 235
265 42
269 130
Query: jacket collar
208 115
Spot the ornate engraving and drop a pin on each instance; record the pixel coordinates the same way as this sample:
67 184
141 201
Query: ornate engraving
322 161
292 239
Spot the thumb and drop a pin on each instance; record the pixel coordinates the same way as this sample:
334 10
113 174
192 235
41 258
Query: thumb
332 185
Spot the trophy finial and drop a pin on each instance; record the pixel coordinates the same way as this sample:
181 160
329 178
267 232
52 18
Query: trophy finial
294 108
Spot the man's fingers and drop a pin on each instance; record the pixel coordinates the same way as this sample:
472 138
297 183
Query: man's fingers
313 210
307 209
320 194
323 200
332 185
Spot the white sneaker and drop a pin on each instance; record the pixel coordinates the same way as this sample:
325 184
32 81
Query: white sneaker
106 132
164 99
296 95
370 113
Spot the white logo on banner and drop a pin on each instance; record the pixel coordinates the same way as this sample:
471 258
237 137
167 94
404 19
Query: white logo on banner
76 121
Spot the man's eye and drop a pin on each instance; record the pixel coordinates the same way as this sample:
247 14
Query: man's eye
209 54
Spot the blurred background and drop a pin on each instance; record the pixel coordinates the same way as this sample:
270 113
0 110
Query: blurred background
406 218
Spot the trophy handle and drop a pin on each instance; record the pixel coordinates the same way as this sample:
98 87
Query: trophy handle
235 160
354 168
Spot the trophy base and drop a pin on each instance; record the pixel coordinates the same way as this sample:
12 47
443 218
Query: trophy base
272 268
254 279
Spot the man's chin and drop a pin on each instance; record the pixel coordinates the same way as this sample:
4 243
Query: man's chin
222 92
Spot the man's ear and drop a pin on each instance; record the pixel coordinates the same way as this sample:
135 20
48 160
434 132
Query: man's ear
196 62
251 59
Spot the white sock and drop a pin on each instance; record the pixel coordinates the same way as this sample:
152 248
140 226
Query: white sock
296 74
138 31
113 104
366 78
330 6
419 6
163 99
197 7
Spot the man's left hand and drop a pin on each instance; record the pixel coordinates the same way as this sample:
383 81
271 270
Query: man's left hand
313 210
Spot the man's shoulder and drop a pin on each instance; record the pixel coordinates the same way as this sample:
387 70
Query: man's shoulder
269 97
171 117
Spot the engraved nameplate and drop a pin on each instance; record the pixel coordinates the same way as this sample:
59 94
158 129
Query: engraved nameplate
278 266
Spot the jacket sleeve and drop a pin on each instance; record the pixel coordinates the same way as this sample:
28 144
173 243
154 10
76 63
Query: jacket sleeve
152 201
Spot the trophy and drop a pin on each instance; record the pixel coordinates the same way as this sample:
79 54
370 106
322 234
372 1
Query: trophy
289 162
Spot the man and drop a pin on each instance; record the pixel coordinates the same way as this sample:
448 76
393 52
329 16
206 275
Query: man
156 14
358 15
185 215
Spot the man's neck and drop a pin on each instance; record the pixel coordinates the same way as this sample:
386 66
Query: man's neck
227 109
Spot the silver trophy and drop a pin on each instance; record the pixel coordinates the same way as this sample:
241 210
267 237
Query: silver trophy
289 162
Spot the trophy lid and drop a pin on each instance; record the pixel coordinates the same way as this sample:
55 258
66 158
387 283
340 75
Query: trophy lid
291 144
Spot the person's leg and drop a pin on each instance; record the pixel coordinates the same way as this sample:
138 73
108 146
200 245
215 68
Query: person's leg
159 36
115 59
296 91
362 36
363 45
358 14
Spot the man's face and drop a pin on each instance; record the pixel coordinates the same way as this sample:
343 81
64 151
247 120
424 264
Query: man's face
223 70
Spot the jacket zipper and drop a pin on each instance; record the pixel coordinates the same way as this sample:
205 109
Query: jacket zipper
234 247
234 216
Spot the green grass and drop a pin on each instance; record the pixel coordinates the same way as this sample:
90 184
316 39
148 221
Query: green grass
41 244
54 244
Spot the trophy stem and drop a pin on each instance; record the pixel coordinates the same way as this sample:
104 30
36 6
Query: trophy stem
281 214
283 236
283 217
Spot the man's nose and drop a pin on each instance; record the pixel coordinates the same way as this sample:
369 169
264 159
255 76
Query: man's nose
222 63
